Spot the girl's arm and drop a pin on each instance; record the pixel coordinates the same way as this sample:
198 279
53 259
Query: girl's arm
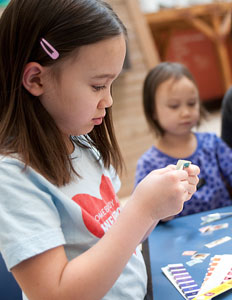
51 276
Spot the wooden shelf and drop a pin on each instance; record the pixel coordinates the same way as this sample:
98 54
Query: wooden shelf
170 15
211 20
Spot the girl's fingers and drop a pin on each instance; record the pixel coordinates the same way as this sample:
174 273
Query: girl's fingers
191 189
193 180
193 170
190 185
166 169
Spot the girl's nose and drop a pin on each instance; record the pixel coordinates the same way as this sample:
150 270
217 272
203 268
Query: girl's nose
106 100
185 111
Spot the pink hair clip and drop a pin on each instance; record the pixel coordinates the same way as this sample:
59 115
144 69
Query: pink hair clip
49 49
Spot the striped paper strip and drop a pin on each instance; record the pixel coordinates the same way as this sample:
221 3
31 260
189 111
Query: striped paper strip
184 280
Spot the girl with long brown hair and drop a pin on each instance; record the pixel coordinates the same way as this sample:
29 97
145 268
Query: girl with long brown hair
62 233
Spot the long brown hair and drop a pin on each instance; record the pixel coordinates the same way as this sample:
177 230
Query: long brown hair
26 128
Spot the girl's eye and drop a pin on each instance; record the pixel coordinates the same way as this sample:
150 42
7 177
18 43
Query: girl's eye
173 106
192 103
99 87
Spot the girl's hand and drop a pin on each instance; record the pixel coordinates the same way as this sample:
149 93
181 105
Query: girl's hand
167 219
162 193
193 179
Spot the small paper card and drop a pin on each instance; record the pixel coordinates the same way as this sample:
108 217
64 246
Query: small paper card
218 242
181 164
210 228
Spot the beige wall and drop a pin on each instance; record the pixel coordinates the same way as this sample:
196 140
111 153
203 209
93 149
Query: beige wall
131 128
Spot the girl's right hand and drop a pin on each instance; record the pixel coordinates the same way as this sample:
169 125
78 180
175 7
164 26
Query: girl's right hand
162 193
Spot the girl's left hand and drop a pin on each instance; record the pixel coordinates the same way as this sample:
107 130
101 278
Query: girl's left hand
193 179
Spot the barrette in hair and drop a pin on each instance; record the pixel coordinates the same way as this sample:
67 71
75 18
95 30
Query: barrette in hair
49 49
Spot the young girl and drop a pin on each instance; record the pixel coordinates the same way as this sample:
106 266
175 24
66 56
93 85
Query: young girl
172 108
59 235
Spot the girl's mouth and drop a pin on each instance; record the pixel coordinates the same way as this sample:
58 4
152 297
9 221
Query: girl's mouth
97 121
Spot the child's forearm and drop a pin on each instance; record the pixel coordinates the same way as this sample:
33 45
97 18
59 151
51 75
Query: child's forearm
108 257
149 231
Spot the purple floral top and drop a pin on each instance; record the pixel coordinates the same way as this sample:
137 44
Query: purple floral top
214 159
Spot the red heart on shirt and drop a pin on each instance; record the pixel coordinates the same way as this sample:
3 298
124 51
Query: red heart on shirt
99 214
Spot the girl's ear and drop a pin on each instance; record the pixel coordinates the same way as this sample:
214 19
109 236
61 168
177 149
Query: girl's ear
32 78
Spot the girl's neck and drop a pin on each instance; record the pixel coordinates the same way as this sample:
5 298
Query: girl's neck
69 144
177 146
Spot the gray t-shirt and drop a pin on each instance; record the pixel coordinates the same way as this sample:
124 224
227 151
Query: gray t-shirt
37 216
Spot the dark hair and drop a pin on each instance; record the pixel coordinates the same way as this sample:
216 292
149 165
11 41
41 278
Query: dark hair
155 77
26 127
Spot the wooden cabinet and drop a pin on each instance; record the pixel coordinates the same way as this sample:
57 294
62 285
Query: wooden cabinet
200 37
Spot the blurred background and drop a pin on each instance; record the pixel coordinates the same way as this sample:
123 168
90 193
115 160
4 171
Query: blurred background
194 32
4 2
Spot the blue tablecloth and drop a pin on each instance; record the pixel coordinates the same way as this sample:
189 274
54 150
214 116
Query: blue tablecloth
167 243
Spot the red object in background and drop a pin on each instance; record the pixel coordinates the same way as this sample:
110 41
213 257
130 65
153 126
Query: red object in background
198 53
229 47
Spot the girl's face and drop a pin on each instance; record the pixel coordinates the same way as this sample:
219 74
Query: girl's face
177 106
78 98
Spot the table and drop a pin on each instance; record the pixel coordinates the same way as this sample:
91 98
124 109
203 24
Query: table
9 289
167 242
